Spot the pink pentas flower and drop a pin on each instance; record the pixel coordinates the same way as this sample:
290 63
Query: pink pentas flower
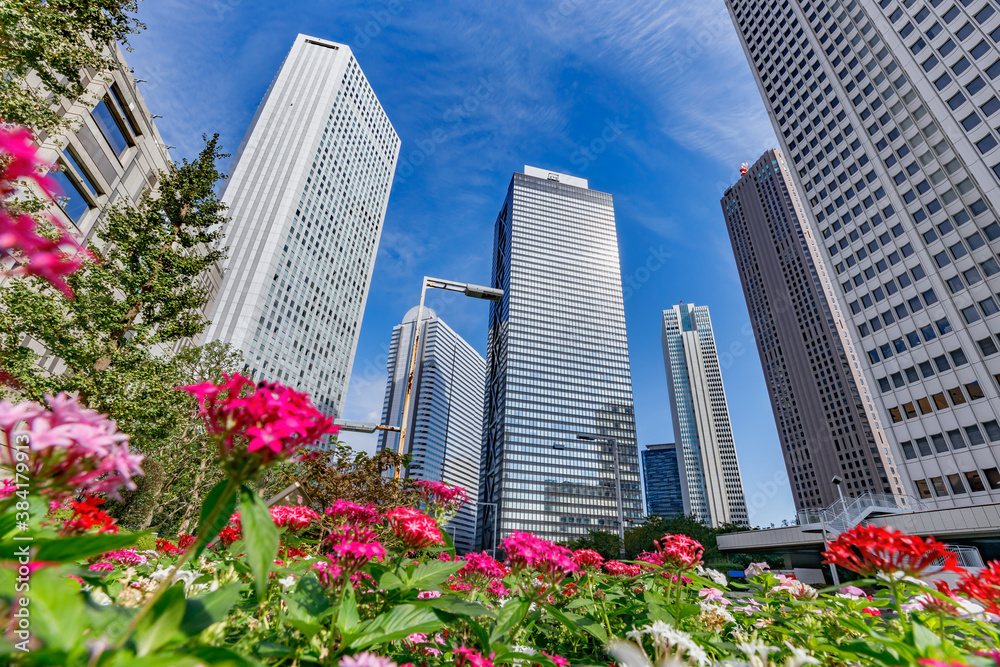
344 511
557 659
713 595
496 589
467 657
257 424
428 595
588 559
20 240
439 493
71 449
102 566
293 517
525 550
365 659
415 529
679 551
480 569
618 569
8 487
125 557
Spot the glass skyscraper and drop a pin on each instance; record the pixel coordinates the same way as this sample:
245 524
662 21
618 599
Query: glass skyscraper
444 436
661 475
709 471
825 414
307 195
557 366
886 111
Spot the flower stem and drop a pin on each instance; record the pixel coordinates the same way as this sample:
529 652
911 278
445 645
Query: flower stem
201 539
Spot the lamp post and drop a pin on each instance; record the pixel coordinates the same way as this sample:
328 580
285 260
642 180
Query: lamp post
476 292
613 442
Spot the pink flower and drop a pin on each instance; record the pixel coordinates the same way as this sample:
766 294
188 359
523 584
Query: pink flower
439 493
871 610
71 449
853 591
481 569
20 240
102 566
713 595
558 659
8 488
588 559
126 557
525 550
344 511
497 589
680 551
294 517
753 569
417 530
618 569
467 657
258 425
365 659
428 595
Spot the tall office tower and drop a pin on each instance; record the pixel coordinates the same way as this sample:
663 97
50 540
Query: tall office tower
557 367
661 475
885 112
445 430
709 471
307 194
826 417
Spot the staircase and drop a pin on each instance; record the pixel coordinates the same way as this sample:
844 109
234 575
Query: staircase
846 513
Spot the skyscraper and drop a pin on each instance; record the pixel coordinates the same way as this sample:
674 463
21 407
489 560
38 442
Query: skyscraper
825 414
709 471
661 475
444 436
557 367
884 111
307 195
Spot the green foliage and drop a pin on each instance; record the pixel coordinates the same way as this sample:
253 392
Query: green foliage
56 40
605 543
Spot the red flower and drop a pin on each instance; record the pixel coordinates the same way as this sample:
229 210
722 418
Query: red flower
525 550
984 586
185 541
229 535
258 424
417 530
439 493
871 610
679 551
618 569
588 559
869 550
87 515
167 547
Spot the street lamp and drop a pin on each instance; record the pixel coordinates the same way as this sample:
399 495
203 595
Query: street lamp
613 442
474 291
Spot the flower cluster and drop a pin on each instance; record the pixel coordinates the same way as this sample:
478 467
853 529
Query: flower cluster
346 512
293 517
257 424
125 557
439 493
525 550
168 548
71 449
415 529
984 586
869 550
88 515
618 569
20 240
679 551
185 541
588 559
481 570
467 657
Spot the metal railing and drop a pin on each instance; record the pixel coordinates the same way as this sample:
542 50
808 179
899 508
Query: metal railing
967 556
846 513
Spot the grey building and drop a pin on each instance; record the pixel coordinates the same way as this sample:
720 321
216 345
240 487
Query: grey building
711 486
825 415
885 112
557 366
444 433
662 478
307 195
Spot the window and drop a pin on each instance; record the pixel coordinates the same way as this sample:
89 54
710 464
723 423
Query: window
940 446
955 284
957 397
926 369
910 413
938 484
958 358
111 127
897 379
883 384
956 439
986 144
992 430
974 435
956 100
922 489
940 401
971 314
987 346
956 484
894 413
943 325
992 477
974 390
975 481
72 200
908 450
972 276
971 121
924 405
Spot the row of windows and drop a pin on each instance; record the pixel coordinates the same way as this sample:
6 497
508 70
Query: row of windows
900 345
972 478
909 410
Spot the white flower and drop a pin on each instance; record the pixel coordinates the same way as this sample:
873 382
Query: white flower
287 582
753 569
100 597
714 575
667 638
799 657
756 652
709 608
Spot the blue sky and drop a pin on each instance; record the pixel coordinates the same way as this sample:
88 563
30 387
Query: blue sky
501 85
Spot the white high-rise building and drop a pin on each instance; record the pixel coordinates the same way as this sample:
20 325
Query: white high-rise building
445 431
886 112
307 195
711 485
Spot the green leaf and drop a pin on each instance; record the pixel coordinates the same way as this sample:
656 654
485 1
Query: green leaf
308 628
163 620
203 611
309 594
56 609
577 623
430 574
924 638
71 549
403 620
216 497
215 655
457 606
347 618
512 613
389 581
260 536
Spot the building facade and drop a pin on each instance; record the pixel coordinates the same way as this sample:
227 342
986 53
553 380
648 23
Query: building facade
662 479
711 486
307 195
885 112
444 433
557 367
825 414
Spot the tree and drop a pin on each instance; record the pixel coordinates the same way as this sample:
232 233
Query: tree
137 295
57 40
605 543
